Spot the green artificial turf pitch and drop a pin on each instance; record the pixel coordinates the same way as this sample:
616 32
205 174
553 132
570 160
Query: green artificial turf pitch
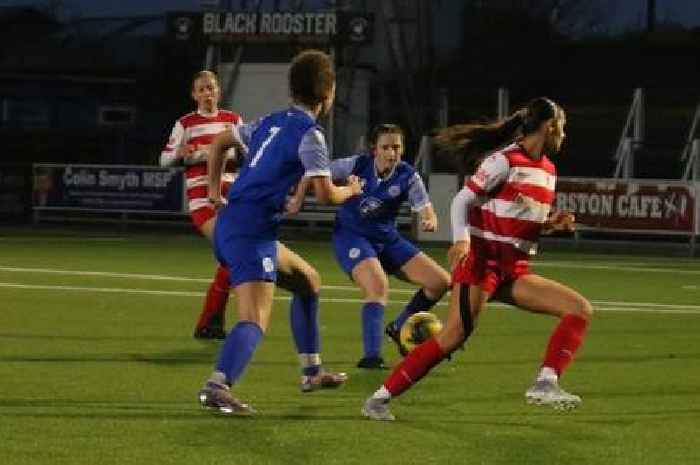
98 366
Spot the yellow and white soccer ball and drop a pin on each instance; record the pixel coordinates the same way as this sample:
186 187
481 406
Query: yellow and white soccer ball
418 328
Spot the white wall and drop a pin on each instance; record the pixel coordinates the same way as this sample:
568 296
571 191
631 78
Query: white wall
260 88
443 187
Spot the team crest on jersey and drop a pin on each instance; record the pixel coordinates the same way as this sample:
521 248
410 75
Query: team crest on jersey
268 265
370 207
354 253
394 190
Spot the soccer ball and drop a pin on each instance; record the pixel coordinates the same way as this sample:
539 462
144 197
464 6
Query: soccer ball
419 328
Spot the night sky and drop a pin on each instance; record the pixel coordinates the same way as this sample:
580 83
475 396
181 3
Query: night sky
624 14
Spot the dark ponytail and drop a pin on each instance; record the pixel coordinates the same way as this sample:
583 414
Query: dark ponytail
472 139
469 142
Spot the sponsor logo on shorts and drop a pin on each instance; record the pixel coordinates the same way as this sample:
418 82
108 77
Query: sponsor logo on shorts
354 253
268 265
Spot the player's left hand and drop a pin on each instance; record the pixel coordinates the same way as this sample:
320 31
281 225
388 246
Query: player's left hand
429 224
353 182
559 221
457 252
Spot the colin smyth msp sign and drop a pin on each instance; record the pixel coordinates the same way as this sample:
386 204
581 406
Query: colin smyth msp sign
108 188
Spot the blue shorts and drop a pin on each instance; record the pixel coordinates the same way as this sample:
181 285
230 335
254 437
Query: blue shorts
247 259
351 248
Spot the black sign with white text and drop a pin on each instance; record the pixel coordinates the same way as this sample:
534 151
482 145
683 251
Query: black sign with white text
245 27
108 187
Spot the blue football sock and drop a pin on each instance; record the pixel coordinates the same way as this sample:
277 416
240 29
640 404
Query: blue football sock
303 318
372 319
238 349
418 303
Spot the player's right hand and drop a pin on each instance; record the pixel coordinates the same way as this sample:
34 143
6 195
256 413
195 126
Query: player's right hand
217 202
185 150
457 252
353 183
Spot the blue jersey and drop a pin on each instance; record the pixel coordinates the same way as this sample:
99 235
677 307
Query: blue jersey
282 147
373 213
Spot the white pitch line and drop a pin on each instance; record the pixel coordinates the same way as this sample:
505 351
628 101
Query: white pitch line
117 290
356 289
108 274
63 239
111 290
611 267
644 304
680 310
104 274
156 277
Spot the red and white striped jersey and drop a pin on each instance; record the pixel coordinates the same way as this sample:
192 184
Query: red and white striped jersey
515 196
198 130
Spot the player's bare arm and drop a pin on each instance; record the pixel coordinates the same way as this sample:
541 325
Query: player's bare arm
328 193
296 201
215 163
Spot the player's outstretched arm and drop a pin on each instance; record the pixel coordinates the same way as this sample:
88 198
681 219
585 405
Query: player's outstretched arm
328 193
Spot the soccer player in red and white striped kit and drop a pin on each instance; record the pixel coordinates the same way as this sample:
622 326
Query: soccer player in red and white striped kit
496 221
188 146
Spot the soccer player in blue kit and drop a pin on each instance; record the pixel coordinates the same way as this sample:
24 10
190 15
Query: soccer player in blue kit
368 245
281 148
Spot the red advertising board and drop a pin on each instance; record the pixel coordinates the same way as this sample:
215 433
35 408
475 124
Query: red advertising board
633 204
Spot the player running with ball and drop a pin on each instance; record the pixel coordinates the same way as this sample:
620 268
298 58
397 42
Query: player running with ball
496 221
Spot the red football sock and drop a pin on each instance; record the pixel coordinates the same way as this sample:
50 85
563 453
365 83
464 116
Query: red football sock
416 365
217 296
565 340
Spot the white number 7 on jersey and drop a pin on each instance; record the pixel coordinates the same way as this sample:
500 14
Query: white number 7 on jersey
273 132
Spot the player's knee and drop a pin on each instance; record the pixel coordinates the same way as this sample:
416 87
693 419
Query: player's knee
438 286
584 308
587 309
313 280
451 337
377 291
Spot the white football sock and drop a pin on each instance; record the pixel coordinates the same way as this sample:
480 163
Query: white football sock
382 393
547 374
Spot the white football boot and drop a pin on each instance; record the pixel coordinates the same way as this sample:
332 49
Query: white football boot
377 409
548 392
